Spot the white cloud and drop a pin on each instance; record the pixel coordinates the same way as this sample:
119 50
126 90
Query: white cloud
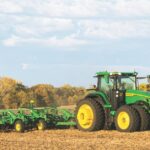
10 7
40 30
93 8
39 26
64 8
62 32
29 25
116 29
132 7
77 8
25 66
52 22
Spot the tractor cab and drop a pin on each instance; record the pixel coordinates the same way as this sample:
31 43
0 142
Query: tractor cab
115 84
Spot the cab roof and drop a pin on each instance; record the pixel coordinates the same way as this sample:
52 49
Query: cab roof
105 73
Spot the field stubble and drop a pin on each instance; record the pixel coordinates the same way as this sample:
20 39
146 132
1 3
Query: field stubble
74 139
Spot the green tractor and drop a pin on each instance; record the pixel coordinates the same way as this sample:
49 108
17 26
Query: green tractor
116 102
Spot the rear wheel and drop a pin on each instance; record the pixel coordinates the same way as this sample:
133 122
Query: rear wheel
144 117
127 119
90 115
41 124
19 126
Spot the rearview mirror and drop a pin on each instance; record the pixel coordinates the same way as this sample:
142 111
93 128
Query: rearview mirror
92 87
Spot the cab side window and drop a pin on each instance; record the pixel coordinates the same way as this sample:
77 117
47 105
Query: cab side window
106 87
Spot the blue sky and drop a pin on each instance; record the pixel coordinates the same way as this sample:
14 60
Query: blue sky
67 41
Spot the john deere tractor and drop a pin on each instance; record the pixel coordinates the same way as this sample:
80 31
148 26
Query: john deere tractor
116 102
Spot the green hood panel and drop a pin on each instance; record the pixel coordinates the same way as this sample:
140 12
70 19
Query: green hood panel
133 96
138 93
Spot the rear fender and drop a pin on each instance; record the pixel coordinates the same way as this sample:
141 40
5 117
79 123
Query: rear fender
101 98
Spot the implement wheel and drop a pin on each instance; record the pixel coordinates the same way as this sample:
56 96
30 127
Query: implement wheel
90 115
19 126
41 124
144 117
127 119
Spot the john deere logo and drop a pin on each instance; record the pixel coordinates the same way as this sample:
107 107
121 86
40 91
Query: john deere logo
129 94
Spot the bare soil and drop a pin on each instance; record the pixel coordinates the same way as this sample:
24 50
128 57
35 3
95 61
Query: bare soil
73 139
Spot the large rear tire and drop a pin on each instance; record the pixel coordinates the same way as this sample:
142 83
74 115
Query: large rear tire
144 118
127 119
90 115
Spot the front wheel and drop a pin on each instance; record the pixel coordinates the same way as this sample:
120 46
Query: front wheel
90 115
127 119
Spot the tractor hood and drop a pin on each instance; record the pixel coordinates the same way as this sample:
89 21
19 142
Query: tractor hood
138 93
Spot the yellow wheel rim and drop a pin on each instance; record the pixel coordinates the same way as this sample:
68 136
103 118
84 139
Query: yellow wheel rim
40 126
18 127
123 120
85 116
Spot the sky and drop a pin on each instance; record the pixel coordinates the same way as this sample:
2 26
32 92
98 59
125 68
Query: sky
67 41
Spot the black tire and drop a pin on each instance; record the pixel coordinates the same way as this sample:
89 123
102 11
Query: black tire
134 118
144 118
109 120
41 124
98 115
19 126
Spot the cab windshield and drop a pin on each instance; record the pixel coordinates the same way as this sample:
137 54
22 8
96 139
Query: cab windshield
126 83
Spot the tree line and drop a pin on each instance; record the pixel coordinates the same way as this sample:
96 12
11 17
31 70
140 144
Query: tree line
14 94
